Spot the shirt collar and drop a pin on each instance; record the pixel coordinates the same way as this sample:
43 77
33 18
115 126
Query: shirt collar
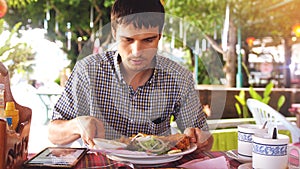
116 58
117 61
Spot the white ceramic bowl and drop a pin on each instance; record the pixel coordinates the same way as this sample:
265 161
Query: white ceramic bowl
270 153
245 132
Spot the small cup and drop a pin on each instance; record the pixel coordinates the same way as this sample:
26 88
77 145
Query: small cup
270 153
245 132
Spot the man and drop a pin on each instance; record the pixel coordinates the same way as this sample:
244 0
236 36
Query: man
131 90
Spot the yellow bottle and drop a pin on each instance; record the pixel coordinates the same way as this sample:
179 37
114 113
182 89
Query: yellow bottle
11 111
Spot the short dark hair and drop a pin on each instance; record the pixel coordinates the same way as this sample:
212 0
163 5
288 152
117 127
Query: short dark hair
147 13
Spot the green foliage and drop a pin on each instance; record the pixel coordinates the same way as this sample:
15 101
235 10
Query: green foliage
20 3
206 15
77 12
208 71
266 94
209 15
280 102
255 95
1 26
238 109
57 81
7 45
15 56
108 3
241 98
257 19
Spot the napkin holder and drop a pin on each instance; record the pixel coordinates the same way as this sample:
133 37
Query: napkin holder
13 144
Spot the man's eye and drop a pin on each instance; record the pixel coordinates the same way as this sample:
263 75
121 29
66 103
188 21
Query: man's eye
128 40
149 40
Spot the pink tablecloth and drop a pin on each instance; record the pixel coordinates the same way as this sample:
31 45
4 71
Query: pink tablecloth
98 159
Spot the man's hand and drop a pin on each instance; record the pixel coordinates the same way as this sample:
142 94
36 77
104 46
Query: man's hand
90 127
203 139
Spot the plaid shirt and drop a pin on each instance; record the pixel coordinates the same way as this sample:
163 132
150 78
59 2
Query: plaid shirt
96 88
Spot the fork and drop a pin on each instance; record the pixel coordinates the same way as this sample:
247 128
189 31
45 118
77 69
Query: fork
231 154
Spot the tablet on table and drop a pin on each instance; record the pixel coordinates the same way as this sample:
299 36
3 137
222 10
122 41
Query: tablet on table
56 157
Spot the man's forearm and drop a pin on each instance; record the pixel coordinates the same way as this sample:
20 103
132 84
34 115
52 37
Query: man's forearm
63 131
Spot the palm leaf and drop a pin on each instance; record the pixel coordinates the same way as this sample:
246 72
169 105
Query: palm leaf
280 102
268 89
238 109
254 94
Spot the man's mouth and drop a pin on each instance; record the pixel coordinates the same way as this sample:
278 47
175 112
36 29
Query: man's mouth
136 62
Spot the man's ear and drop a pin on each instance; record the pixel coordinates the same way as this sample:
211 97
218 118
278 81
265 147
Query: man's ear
159 36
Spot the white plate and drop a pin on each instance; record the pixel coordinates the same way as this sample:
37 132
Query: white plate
234 155
245 166
143 155
145 161
107 144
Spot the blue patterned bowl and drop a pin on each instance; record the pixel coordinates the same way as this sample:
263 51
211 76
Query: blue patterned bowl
245 132
270 153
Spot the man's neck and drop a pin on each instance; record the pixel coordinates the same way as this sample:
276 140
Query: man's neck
137 79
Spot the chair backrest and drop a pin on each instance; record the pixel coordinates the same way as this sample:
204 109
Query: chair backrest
13 146
262 112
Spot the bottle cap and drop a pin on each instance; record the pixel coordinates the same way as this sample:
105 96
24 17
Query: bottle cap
10 106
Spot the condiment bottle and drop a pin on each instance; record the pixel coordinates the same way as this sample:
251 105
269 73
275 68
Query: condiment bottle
2 100
10 111
9 123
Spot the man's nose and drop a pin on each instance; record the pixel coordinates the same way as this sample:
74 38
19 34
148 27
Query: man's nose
136 48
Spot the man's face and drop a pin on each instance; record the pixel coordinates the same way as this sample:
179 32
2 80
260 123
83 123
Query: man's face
137 47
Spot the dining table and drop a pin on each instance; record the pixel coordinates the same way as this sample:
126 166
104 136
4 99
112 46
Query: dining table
94 159
98 159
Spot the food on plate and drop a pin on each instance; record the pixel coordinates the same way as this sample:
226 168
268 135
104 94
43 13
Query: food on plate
180 141
174 151
157 144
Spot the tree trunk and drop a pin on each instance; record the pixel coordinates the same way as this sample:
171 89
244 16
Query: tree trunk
230 57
